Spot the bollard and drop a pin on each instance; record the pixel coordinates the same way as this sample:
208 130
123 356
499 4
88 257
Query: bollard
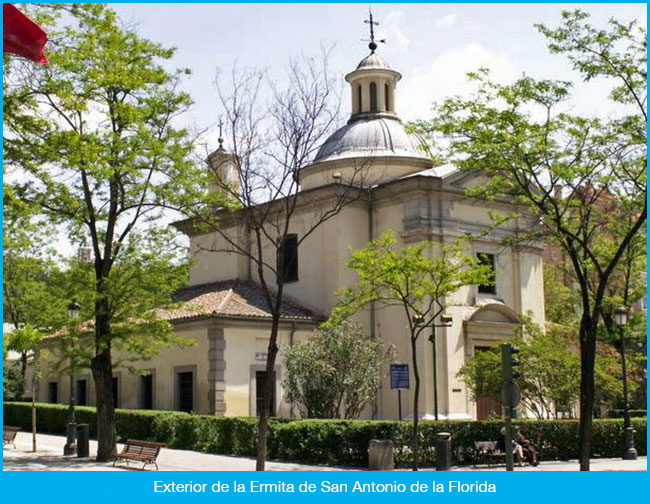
443 451
380 455
83 435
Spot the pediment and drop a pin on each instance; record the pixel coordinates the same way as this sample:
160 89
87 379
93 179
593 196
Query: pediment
465 179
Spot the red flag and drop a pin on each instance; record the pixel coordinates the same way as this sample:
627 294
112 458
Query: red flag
21 36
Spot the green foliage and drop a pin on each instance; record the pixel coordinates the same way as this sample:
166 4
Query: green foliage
25 339
522 139
336 373
420 279
332 442
561 298
94 142
26 296
635 413
13 382
550 368
417 278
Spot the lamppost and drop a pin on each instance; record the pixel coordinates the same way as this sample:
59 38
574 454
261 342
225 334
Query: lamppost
70 447
630 451
446 322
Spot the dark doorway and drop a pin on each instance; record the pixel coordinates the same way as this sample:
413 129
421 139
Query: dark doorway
486 406
81 392
185 381
259 394
53 392
146 391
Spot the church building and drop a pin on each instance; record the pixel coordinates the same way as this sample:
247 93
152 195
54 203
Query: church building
225 314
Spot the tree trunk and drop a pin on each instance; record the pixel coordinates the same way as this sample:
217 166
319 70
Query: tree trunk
416 406
102 369
103 374
587 361
263 425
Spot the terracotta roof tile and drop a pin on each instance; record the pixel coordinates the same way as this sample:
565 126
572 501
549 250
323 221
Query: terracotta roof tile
231 298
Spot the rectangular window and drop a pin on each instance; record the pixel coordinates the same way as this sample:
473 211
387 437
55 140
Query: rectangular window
53 392
487 260
259 394
287 262
116 392
185 387
81 392
146 391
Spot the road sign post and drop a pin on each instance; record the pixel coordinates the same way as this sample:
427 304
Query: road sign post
399 379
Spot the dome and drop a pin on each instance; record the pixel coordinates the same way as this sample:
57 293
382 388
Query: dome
371 137
373 61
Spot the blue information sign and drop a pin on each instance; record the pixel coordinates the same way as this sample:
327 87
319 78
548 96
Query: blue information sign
399 376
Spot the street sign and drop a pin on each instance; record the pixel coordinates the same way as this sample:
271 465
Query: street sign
399 376
515 394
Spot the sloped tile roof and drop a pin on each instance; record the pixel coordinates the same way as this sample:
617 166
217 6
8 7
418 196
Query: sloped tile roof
231 298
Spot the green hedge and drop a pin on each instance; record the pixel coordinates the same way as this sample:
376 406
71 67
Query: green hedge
618 413
341 442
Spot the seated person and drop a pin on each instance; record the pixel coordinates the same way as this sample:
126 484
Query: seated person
515 447
529 451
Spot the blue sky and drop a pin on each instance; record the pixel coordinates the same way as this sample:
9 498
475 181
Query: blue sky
432 45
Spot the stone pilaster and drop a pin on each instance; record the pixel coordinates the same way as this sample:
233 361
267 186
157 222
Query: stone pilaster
216 371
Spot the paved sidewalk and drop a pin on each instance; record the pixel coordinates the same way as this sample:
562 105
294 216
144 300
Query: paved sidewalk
604 464
50 448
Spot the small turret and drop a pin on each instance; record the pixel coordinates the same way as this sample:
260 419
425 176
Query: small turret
224 165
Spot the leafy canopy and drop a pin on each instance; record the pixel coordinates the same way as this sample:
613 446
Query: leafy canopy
420 278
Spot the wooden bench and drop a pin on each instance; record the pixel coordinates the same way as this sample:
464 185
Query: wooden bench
487 452
9 435
138 451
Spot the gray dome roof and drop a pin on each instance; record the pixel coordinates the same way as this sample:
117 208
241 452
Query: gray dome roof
373 61
374 137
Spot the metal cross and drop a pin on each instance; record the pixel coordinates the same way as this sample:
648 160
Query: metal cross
220 133
372 24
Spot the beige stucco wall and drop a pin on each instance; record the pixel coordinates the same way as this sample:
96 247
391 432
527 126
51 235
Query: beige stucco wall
242 345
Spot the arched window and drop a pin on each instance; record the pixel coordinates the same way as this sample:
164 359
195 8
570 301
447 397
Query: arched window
373 97
387 97
359 99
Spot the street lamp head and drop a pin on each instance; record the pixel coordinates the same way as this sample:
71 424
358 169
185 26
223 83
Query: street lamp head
621 316
418 320
73 309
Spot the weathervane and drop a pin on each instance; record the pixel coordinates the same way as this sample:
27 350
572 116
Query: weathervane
372 24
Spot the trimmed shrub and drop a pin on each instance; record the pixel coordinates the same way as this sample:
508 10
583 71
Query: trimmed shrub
332 442
634 413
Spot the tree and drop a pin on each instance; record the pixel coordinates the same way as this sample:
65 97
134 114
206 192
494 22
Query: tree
28 340
93 136
272 132
550 371
419 279
28 297
549 367
336 373
560 166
